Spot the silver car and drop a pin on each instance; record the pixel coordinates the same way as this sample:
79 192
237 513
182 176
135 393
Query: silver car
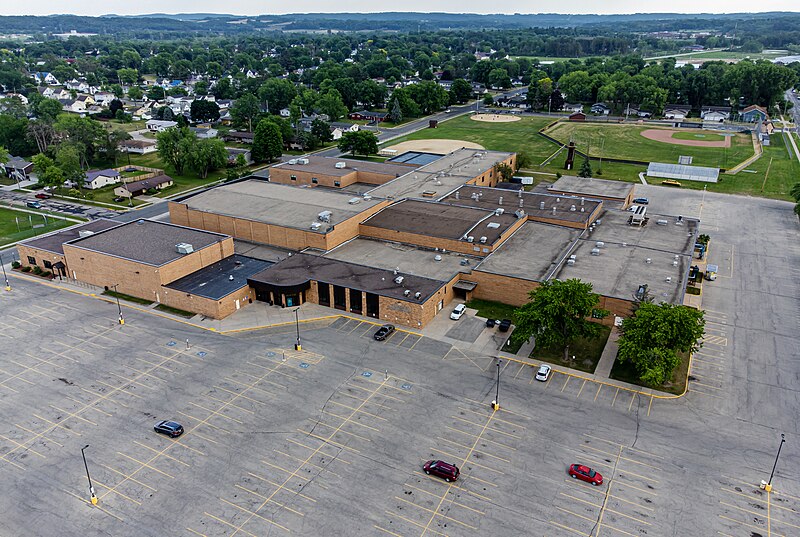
544 373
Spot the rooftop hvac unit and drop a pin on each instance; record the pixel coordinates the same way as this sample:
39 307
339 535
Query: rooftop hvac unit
582 202
519 213
85 233
674 263
554 209
184 248
483 240
661 222
573 256
570 262
406 292
541 205
302 161
494 225
500 201
325 216
293 161
499 211
340 165
315 226
399 280
595 251
668 279
458 196
417 295
572 208
470 239
367 197
648 260
599 221
599 244
353 201
437 257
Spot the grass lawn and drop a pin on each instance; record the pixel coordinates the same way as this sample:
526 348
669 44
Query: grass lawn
185 181
129 298
625 141
100 195
626 372
492 310
175 311
587 352
37 224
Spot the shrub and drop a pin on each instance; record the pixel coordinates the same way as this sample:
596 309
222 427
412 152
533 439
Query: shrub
37 270
15 264
26 269
47 273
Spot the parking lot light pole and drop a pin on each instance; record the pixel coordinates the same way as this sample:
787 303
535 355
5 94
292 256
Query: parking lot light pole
297 346
8 285
768 486
119 307
91 488
496 402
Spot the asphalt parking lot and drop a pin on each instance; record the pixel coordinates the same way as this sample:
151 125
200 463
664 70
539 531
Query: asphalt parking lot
330 440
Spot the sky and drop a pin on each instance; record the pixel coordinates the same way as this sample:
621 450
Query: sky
258 7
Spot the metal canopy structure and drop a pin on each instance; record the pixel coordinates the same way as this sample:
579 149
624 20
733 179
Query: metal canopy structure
681 172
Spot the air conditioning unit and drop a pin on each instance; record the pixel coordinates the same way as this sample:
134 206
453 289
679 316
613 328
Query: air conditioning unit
399 280
302 161
340 165
184 248
325 216
406 292
315 226
417 295
367 197
499 211
293 161
470 239
483 240
353 201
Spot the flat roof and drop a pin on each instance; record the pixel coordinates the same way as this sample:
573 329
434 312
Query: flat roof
532 252
442 220
498 198
277 204
54 242
415 157
619 269
147 241
589 186
327 166
441 176
214 281
301 268
408 259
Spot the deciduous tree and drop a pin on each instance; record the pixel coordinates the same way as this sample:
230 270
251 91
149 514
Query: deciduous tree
207 155
174 146
267 142
360 142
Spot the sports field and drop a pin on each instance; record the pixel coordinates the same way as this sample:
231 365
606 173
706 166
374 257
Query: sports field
20 225
627 142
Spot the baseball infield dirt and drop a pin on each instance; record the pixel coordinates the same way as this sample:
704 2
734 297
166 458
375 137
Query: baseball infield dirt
433 146
665 135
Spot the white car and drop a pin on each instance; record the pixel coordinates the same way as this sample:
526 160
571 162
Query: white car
544 373
458 312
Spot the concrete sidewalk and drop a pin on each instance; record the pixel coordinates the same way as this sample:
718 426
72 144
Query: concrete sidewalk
609 356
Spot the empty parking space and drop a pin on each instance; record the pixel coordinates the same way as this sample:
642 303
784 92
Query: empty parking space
746 509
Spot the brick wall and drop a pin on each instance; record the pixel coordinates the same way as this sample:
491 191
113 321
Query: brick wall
39 255
215 309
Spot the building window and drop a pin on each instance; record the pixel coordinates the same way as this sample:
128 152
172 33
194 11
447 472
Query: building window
337 183
48 265
31 260
314 180
293 177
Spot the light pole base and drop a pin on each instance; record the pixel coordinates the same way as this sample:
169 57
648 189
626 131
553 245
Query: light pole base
766 486
94 499
495 405
298 347
121 320
8 288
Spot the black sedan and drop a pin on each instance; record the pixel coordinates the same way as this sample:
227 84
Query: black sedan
170 428
384 332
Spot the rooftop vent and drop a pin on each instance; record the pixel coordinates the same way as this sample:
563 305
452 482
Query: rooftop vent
570 261
483 240
302 161
458 196
541 205
353 201
340 165
417 295
140 222
437 257
595 251
599 244
470 239
293 161
315 226
85 233
499 211
500 201
661 222
572 208
494 225
399 280
325 216
367 197
184 248
406 292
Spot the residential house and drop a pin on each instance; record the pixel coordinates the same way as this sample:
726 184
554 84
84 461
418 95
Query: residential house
716 114
636 110
83 100
139 147
104 98
285 112
676 111
55 92
19 96
159 125
17 168
234 152
137 188
80 86
204 133
99 178
577 107
600 109
754 113
240 137
338 129
368 116
45 78
577 116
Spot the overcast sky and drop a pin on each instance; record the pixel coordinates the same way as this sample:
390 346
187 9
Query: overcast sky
257 7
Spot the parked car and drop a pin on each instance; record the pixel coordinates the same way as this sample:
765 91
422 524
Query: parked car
170 428
43 196
448 472
641 201
544 373
384 332
711 272
34 204
458 311
584 473
505 324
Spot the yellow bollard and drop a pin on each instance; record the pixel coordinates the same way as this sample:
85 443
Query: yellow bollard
94 499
